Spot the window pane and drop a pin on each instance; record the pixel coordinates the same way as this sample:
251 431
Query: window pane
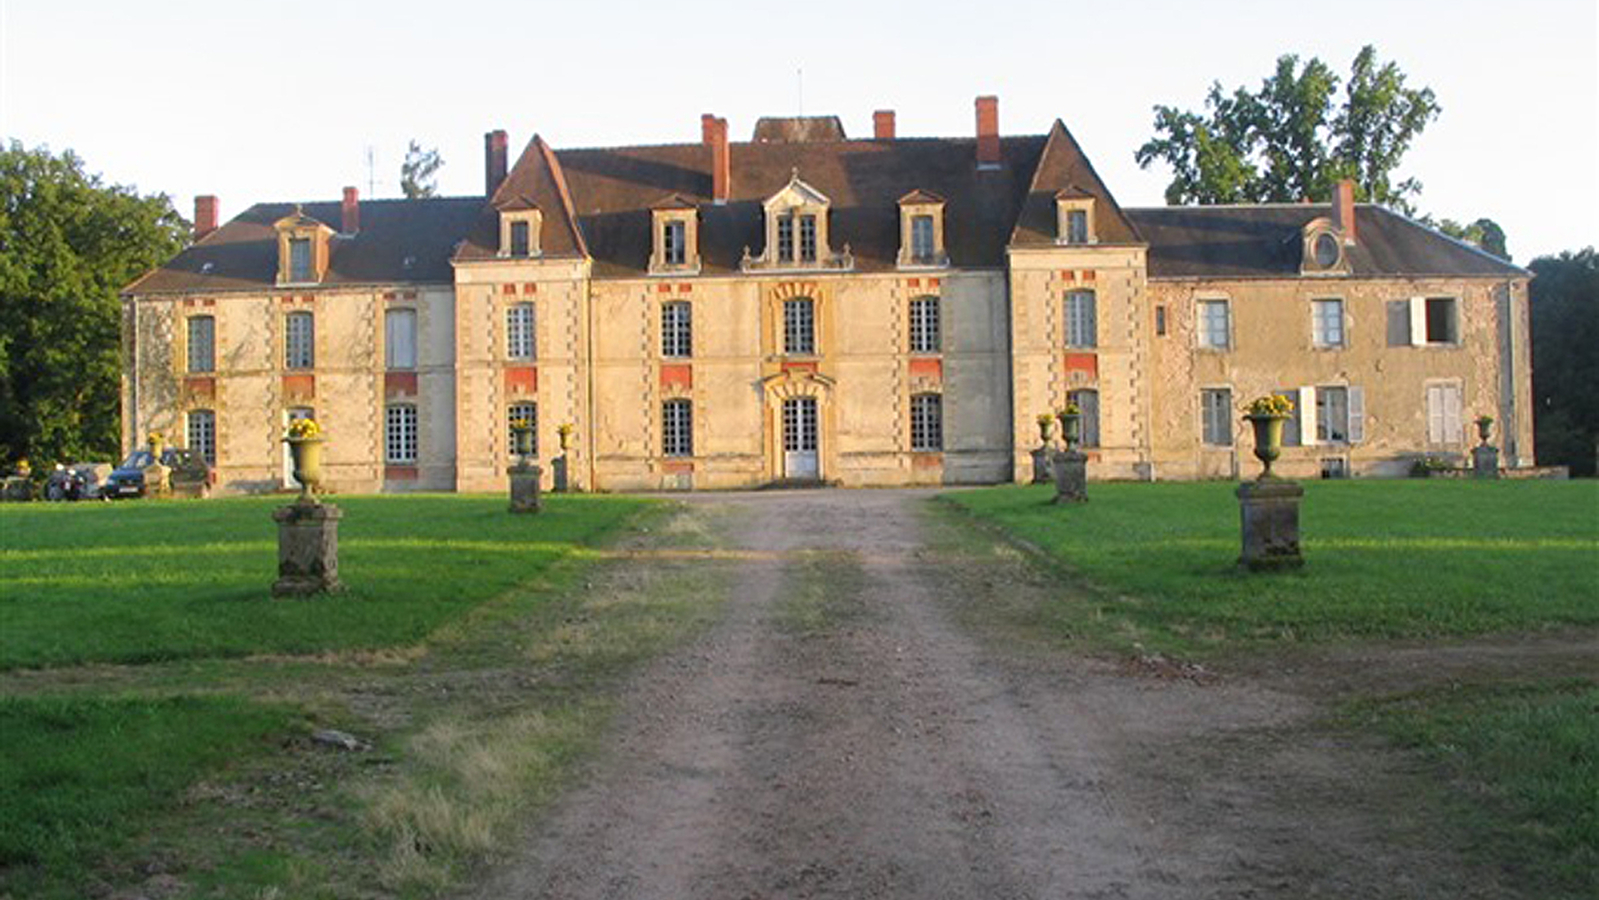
520 243
925 337
1441 325
799 326
1213 324
1216 411
299 259
677 428
785 238
1076 226
299 341
1327 323
922 239
1332 415
1088 402
400 435
927 422
807 238
524 412
399 336
677 329
202 344
203 434
673 246
1081 327
519 342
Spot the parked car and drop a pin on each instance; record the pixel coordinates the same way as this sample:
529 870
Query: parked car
127 479
79 481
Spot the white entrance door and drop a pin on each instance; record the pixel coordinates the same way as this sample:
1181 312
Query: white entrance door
799 438
290 416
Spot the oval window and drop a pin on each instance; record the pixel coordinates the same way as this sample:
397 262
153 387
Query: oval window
1327 250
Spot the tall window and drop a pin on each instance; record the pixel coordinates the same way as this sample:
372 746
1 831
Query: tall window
922 246
785 238
1332 415
203 434
399 434
299 341
807 238
1081 328
674 242
519 343
799 326
300 260
677 329
1443 414
525 412
1215 325
1327 323
520 238
1216 416
927 422
1443 325
399 338
1077 226
1088 402
202 344
925 337
677 428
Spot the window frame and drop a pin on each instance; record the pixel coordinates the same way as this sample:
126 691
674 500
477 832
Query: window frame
1081 314
401 434
208 342
926 324
1216 417
674 242
924 239
521 337
677 329
302 260
799 332
393 360
1328 332
299 343
529 410
677 427
1087 400
1205 337
1448 434
927 422
200 428
1325 418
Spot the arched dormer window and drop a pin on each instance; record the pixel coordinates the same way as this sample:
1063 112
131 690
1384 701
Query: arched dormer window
302 249
1322 249
796 232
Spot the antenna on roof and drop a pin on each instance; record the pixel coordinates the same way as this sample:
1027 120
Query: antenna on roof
371 172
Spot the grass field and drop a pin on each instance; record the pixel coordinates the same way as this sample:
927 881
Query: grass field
1384 559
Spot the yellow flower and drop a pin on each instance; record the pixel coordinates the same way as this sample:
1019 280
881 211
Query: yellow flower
303 429
1271 405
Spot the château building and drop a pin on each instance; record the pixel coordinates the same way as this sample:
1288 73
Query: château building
809 307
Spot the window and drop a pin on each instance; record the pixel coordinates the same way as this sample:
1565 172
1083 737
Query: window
677 329
1074 217
785 238
299 341
1216 416
1327 323
202 344
519 342
799 326
1442 325
807 238
528 412
300 260
1443 414
399 338
1088 402
925 336
1077 226
521 244
399 435
203 434
677 428
1160 320
1081 330
923 246
1340 415
1420 321
1215 325
674 242
519 231
927 423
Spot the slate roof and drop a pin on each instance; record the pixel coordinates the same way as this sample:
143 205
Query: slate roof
243 253
1265 242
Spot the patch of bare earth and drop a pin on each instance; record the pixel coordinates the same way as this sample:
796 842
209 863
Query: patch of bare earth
846 731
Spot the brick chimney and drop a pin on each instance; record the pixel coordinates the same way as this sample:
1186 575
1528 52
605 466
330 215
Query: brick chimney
883 125
1343 209
715 133
351 220
987 132
707 129
205 215
494 161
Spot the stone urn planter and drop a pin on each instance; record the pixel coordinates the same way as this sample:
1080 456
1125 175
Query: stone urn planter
1045 423
1268 439
158 444
306 455
522 443
1071 427
1485 427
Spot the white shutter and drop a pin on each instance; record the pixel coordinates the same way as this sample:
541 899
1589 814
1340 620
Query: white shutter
1435 414
1418 321
400 338
1451 413
1307 416
1357 414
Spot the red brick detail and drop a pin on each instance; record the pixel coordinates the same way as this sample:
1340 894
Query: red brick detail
400 473
198 386
685 288
934 282
927 460
307 298
913 282
399 383
1068 275
663 288
302 387
521 379
286 299
507 288
928 366
799 367
677 466
208 302
1083 362
677 375
1088 274
390 295
529 287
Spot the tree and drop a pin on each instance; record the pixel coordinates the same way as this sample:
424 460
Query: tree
68 245
418 172
1565 371
1288 141
1484 234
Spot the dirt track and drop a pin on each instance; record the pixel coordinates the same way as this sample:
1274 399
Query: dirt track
840 734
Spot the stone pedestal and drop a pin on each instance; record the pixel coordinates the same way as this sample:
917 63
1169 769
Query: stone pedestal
1041 466
558 469
308 549
157 480
1270 517
525 488
1071 476
1485 462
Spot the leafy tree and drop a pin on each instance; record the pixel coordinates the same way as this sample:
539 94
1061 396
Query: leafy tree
1484 234
418 174
1565 370
68 244
1289 141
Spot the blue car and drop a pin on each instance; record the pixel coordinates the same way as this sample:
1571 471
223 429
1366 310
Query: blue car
127 479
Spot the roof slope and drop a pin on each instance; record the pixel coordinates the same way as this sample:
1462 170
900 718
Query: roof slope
399 241
535 181
1064 167
1264 242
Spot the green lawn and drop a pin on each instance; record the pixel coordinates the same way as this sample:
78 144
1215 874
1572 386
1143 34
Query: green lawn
1384 559
132 583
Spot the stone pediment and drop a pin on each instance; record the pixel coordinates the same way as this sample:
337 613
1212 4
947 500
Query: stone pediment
796 193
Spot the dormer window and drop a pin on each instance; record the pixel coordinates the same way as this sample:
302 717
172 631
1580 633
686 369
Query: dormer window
300 269
796 232
1322 249
676 245
1074 217
519 231
921 231
302 249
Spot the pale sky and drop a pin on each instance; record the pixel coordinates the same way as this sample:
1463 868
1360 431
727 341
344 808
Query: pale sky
282 101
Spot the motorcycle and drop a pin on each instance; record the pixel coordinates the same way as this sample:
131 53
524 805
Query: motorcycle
77 482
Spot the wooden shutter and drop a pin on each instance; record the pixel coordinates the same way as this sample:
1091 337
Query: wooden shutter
1451 413
1357 414
1418 321
1435 414
1307 416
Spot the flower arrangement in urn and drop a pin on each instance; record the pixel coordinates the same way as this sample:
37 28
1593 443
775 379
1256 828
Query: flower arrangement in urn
1045 422
304 437
158 442
1071 424
565 431
522 433
1267 415
1485 424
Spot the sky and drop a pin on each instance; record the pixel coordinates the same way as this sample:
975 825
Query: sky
292 100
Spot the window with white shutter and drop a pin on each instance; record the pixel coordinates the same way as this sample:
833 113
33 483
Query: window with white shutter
399 338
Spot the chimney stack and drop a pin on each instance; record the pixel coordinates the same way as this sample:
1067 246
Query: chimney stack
715 133
205 215
988 132
351 219
707 129
494 161
883 125
1343 209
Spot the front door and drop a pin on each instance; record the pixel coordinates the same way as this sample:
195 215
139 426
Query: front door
799 438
